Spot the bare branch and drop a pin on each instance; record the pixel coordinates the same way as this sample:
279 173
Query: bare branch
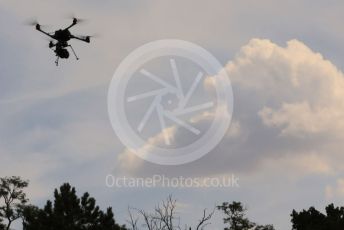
204 220
132 221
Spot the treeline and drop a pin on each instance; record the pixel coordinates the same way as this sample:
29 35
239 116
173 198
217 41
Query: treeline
67 211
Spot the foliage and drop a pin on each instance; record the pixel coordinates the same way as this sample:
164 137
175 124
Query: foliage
13 200
313 219
235 217
69 212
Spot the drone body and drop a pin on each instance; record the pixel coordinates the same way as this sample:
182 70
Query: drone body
60 40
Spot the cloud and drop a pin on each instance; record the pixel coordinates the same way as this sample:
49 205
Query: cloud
309 88
129 161
288 111
335 191
300 164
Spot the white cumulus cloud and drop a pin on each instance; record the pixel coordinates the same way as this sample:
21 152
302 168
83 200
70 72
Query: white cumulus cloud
302 90
288 110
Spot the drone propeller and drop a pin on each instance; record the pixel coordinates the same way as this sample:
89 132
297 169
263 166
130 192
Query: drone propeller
75 19
83 38
79 20
34 22
94 36
88 37
31 22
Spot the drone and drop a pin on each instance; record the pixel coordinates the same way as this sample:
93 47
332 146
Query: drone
61 37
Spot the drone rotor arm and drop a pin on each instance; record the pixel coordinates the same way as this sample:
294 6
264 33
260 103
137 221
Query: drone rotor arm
84 39
75 21
46 33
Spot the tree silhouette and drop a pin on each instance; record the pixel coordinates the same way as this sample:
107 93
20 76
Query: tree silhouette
313 219
13 200
163 217
68 212
235 217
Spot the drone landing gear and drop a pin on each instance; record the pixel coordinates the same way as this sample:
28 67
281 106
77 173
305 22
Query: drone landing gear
77 58
61 52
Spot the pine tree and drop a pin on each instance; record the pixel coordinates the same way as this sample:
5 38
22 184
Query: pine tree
69 212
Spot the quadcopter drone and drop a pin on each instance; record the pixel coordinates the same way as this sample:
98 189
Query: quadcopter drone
61 37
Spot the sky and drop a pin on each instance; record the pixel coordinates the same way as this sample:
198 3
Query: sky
284 61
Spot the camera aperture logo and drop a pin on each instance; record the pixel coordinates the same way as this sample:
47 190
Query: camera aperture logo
170 102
